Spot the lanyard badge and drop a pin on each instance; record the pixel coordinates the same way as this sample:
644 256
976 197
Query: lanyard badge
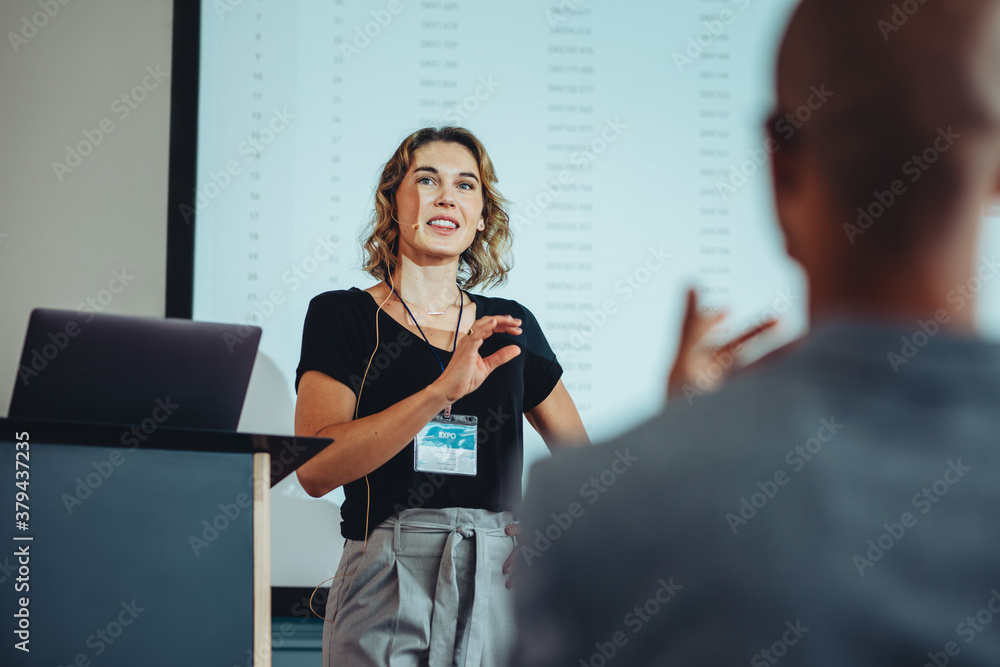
447 444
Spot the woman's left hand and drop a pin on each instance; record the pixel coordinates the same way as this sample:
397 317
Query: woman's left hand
508 566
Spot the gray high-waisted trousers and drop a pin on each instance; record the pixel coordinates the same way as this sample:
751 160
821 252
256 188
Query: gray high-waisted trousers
428 591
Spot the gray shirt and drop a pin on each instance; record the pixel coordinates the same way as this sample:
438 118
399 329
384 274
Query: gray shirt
835 506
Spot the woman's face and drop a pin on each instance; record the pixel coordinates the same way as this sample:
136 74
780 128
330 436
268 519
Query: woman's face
439 204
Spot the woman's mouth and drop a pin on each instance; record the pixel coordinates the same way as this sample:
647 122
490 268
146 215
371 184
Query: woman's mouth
444 225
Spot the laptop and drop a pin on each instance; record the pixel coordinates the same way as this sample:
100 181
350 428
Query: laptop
91 367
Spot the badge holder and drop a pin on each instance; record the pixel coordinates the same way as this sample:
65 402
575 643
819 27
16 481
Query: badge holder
447 445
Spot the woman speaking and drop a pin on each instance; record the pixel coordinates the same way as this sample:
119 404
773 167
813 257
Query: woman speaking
422 385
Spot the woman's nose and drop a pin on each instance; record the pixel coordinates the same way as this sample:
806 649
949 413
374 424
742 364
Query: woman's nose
444 198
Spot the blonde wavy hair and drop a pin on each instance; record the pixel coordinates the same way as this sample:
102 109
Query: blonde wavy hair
487 261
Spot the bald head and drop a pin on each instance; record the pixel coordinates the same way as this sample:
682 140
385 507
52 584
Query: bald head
914 105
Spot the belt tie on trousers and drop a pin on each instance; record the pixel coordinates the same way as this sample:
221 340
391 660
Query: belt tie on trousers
446 593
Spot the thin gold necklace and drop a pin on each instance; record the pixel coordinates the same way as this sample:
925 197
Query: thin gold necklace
461 297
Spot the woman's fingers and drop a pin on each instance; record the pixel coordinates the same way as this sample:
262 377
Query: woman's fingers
487 326
508 566
501 357
468 369
514 530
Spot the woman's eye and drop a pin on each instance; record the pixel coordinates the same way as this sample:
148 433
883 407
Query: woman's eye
467 186
425 179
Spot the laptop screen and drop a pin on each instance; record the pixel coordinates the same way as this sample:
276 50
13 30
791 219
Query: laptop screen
83 366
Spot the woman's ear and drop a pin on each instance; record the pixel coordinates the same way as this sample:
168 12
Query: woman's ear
481 225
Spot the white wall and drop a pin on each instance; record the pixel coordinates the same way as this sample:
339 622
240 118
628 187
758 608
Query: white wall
61 241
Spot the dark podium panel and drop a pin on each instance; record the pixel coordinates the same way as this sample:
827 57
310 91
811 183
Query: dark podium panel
137 555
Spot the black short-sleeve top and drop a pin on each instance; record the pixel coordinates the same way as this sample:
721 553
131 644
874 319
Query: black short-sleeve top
338 339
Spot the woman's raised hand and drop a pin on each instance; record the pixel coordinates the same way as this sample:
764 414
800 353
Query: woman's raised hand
467 369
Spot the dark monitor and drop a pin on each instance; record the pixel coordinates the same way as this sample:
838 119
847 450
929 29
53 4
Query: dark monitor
84 366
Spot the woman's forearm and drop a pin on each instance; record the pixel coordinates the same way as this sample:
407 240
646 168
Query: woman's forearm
362 445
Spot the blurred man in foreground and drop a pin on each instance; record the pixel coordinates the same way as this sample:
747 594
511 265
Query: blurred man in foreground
837 505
